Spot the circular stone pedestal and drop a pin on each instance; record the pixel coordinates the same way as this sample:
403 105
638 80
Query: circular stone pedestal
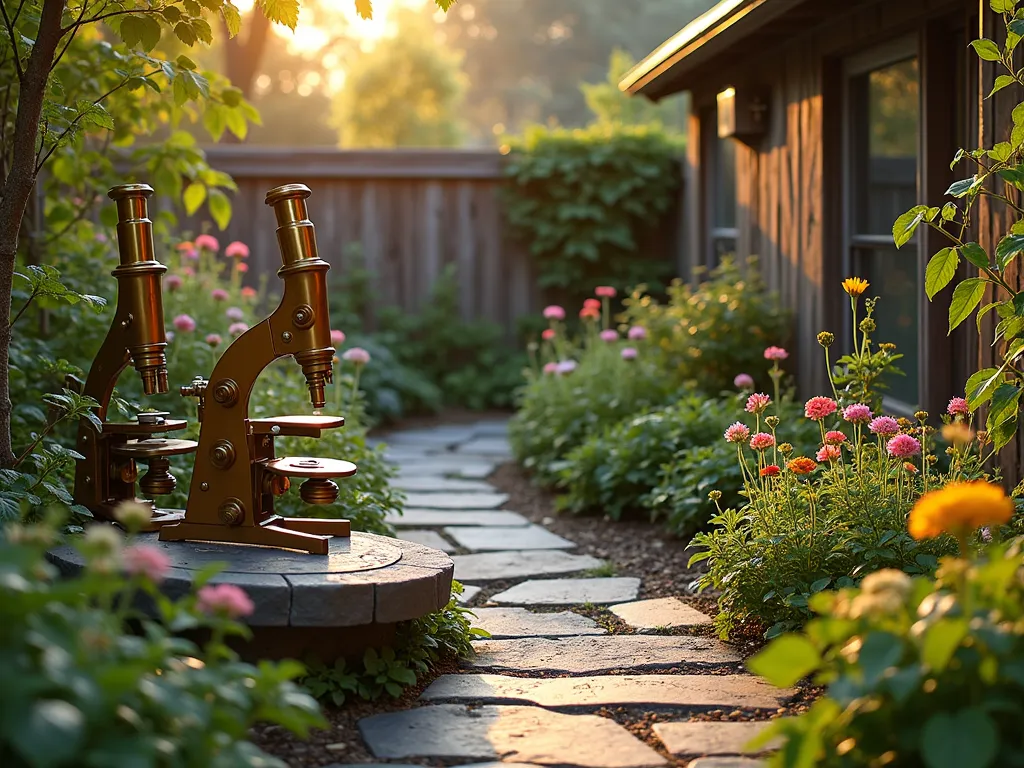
330 606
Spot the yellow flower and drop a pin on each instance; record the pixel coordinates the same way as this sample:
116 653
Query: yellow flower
959 508
855 286
957 433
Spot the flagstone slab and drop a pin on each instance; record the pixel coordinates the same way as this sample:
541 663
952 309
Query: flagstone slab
521 734
662 613
431 539
494 566
486 446
503 623
597 591
440 518
727 762
592 655
468 593
440 484
711 738
443 467
456 500
496 539
676 691
491 428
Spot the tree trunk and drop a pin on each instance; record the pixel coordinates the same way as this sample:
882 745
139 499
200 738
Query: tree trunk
242 58
17 191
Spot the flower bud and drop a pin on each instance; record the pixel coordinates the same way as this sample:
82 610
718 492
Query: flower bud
785 448
772 421
921 415
826 339
887 347
714 495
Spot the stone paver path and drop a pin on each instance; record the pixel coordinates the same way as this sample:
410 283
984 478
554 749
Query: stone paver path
529 695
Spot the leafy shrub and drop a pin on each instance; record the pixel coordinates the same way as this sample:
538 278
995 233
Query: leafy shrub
918 672
714 331
81 690
582 199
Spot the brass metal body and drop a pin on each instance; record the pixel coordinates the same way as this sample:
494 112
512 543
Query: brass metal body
237 474
107 474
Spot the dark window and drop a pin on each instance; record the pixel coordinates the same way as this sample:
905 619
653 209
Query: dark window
719 191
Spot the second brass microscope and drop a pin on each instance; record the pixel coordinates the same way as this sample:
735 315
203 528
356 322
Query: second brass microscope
237 473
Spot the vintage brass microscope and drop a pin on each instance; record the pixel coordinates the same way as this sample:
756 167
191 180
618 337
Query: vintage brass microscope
237 474
107 474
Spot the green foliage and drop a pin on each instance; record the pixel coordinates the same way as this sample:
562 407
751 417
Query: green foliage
918 672
583 200
714 331
612 106
420 645
82 690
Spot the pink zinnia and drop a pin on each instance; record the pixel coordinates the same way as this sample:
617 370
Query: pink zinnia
818 408
207 242
337 337
565 367
737 433
237 250
241 266
762 441
757 402
141 560
356 355
219 294
609 335
237 329
637 332
551 368
234 313
629 353
835 437
605 291
548 335
184 323
214 340
225 599
903 446
591 304
590 313
554 312
957 406
775 353
829 453
884 425
173 282
857 413
743 381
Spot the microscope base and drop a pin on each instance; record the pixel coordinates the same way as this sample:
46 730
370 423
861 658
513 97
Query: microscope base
311 535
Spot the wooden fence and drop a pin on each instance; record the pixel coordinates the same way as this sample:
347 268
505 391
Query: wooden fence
412 212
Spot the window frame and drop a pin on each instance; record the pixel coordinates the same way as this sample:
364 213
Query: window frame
712 181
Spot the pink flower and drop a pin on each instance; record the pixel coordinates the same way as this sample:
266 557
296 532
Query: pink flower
235 313
207 242
337 338
219 294
743 381
590 313
226 600
214 340
188 272
756 403
737 433
241 266
609 336
884 425
188 250
236 250
957 406
173 282
141 560
857 413
605 291
637 332
903 446
249 292
591 304
629 353
548 335
818 408
565 367
829 453
762 441
237 329
835 437
775 353
551 368
554 312
184 323
356 355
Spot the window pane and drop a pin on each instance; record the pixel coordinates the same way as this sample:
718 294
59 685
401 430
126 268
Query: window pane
725 185
893 277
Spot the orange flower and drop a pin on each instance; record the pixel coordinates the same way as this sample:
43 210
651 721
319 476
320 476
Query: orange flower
855 286
802 465
959 508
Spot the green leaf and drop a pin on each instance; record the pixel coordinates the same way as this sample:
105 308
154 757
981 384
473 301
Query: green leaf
151 32
1001 82
966 739
879 652
232 19
194 196
220 208
786 660
185 62
966 298
975 254
984 311
941 641
940 270
949 211
186 34
50 732
986 49
1008 248
1002 6
131 30
282 12
903 228
980 386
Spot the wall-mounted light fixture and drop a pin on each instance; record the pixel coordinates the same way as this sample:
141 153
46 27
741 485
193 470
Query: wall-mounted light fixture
742 114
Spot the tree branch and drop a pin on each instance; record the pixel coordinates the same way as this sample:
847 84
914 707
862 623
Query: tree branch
71 37
14 41
112 14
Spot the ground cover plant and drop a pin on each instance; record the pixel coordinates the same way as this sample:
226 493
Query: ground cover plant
810 524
